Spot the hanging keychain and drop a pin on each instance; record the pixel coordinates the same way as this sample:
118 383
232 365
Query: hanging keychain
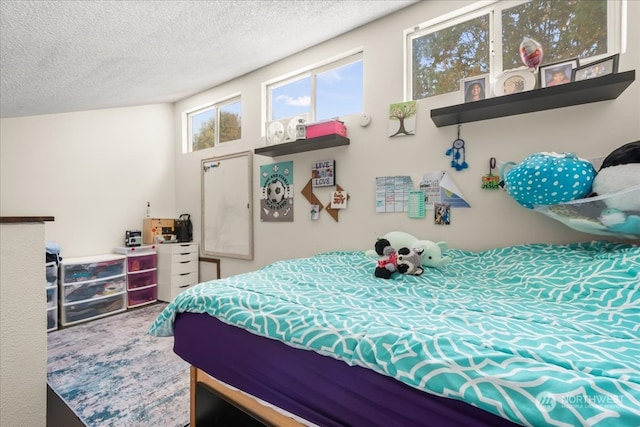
491 181
457 153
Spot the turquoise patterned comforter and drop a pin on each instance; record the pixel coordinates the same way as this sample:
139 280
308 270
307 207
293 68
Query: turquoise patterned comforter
539 334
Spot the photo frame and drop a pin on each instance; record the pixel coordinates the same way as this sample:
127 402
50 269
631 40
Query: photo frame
514 81
558 73
475 88
323 173
442 213
595 69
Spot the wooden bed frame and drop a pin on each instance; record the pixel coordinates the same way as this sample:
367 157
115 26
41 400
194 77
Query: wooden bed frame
207 392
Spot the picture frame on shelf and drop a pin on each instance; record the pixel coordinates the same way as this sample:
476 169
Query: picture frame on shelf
558 73
475 88
602 67
514 81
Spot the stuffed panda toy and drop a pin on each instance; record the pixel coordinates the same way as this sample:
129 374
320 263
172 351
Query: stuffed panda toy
620 170
410 261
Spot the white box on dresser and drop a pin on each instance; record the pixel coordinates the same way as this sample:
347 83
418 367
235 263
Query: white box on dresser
177 268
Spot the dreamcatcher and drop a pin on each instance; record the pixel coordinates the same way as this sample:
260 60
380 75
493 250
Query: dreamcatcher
457 153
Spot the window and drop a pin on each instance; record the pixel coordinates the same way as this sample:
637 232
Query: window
442 57
339 91
214 124
479 40
292 98
566 29
322 92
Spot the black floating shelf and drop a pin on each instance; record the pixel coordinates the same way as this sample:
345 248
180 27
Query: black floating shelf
574 93
302 145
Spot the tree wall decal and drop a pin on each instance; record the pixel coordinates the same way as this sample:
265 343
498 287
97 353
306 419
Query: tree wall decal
404 114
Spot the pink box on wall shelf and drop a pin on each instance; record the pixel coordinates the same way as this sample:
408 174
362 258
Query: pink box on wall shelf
330 127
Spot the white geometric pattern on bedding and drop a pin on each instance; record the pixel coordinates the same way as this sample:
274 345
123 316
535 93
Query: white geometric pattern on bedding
538 334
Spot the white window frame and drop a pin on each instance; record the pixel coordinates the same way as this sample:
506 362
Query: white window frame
616 33
187 143
312 71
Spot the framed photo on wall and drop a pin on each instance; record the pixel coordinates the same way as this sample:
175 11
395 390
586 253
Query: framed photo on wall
596 69
558 73
323 173
475 88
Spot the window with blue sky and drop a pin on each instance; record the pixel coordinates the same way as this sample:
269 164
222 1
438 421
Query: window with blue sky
330 91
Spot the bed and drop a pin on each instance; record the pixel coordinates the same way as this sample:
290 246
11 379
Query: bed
532 334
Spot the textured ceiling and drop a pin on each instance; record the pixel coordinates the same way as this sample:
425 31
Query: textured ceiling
62 56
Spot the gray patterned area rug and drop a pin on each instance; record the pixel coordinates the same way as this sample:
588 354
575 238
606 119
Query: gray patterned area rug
111 373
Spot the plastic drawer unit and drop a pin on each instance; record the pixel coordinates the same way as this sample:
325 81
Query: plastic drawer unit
177 269
52 296
92 287
142 296
142 275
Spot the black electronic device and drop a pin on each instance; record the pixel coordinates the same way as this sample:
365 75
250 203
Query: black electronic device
184 228
133 238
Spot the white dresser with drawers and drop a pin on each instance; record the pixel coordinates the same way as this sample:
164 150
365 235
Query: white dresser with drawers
177 268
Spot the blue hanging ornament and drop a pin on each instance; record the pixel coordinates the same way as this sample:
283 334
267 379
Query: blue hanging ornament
457 154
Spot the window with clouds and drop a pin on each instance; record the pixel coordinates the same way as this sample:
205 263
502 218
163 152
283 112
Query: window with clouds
321 92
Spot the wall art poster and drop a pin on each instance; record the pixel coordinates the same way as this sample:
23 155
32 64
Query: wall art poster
276 181
402 118
339 200
323 173
438 187
392 193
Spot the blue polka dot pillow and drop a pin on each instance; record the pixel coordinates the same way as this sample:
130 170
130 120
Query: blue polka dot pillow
549 179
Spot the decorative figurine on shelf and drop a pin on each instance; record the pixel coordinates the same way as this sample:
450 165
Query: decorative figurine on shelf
531 53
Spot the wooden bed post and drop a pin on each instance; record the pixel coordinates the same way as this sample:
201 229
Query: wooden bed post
193 374
249 405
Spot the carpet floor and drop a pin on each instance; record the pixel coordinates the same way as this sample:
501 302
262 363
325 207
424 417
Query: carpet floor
111 373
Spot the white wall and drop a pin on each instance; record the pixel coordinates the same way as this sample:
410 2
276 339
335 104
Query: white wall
23 352
591 130
94 171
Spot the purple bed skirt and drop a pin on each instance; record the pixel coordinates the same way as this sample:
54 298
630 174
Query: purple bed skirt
323 390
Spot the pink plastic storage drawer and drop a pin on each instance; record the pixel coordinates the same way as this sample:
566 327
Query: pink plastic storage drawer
141 262
143 296
141 279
